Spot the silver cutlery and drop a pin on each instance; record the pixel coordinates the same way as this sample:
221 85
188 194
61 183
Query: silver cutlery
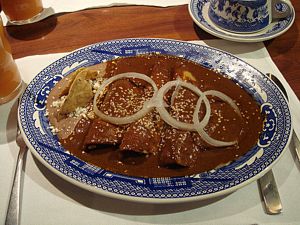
295 139
296 145
267 183
270 194
13 210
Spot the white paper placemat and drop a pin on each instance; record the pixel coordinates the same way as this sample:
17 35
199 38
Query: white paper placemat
47 199
59 6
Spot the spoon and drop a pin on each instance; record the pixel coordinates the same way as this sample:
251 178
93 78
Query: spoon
267 183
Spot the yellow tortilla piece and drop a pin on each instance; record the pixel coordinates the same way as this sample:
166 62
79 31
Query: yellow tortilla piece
65 125
80 92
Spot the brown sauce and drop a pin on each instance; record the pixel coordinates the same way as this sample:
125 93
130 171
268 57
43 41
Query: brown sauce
247 128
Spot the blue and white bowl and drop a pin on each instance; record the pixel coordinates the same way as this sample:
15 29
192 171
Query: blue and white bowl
257 161
244 16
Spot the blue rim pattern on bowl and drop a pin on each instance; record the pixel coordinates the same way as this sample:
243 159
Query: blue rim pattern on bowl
277 128
199 12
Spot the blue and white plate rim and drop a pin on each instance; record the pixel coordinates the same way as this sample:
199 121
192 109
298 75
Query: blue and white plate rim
203 21
154 198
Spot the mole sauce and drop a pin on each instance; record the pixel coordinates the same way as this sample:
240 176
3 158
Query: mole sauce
247 128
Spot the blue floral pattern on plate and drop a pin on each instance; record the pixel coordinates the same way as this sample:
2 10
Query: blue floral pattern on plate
45 146
199 12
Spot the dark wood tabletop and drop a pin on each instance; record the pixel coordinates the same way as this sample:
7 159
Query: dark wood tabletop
68 31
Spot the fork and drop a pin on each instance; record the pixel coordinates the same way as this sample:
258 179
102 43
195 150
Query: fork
13 210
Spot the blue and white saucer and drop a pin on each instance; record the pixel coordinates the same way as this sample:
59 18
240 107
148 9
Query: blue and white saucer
199 13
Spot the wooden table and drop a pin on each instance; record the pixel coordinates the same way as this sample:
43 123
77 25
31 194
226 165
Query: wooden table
66 32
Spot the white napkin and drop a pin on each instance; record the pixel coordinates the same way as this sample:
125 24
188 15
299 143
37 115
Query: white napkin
59 6
48 199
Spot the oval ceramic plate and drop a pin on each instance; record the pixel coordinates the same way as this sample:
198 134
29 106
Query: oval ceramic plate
45 146
199 12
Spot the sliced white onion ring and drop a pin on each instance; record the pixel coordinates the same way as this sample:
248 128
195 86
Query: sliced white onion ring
134 117
199 126
157 101
225 98
164 114
175 92
212 141
205 120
